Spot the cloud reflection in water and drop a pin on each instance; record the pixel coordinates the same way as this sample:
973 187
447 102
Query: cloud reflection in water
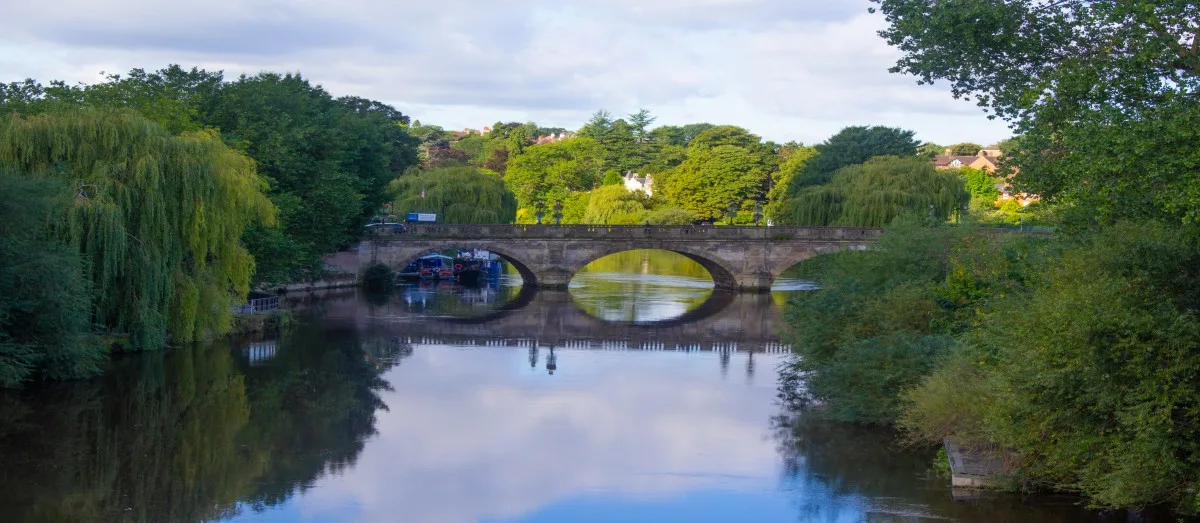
476 434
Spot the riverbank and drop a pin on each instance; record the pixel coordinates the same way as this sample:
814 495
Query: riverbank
1053 349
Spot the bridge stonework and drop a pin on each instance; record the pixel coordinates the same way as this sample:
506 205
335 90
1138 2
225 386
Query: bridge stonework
548 256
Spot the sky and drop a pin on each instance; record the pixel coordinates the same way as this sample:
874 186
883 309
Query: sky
785 69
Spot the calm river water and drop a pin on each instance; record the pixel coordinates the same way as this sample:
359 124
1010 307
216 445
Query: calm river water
639 396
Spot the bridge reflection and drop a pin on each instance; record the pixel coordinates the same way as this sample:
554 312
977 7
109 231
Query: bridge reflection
727 322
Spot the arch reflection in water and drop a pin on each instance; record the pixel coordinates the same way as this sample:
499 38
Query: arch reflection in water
641 286
727 321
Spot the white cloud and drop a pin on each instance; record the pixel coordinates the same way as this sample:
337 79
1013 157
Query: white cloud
786 69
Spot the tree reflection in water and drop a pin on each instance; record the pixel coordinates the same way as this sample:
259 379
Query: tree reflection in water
845 472
191 434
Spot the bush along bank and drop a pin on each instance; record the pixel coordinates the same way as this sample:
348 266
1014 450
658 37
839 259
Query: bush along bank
1077 358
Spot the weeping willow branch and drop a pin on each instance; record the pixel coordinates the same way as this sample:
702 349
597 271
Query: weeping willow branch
875 193
157 217
456 194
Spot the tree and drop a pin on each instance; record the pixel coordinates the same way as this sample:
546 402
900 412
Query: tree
567 166
597 126
678 135
640 123
45 325
929 150
979 183
724 135
852 146
877 192
612 177
666 158
456 194
669 215
614 205
1103 93
172 97
709 178
325 193
156 217
793 158
1097 394
965 149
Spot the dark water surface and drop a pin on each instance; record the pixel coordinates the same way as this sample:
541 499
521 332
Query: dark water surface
640 396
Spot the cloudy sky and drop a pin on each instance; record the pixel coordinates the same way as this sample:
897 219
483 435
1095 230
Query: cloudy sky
786 69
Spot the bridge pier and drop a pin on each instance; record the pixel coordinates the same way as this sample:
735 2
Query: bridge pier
754 282
554 279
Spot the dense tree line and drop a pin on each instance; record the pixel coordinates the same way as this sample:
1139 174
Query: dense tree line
142 207
1075 358
327 161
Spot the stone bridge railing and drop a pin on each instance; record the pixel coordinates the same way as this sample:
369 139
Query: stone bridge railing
620 232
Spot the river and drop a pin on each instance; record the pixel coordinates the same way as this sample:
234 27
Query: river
639 396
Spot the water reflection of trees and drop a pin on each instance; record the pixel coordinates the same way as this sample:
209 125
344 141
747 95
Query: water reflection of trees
618 299
844 472
187 435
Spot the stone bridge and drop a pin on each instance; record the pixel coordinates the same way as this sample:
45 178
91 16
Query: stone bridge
548 256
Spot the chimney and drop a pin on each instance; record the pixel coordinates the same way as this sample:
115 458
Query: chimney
949 152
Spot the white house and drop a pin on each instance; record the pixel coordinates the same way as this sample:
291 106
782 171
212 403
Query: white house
635 183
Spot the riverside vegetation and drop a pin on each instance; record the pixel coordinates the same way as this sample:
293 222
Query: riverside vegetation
1075 357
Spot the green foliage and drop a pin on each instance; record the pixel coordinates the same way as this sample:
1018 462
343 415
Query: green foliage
614 205
325 194
327 161
793 159
475 146
706 182
1099 392
875 193
965 149
665 158
723 135
885 318
379 277
612 177
575 206
45 301
456 194
156 217
929 150
852 146
979 183
669 216
679 136
1102 93
566 166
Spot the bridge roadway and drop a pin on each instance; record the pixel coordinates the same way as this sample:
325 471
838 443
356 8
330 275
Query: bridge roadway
547 256
728 321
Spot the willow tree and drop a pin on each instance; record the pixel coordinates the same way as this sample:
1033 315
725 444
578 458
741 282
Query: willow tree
876 192
155 217
44 298
456 194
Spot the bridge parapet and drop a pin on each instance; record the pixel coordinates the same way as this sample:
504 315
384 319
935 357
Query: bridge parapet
631 232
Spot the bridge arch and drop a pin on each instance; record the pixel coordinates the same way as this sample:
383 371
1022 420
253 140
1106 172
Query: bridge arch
722 275
408 255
